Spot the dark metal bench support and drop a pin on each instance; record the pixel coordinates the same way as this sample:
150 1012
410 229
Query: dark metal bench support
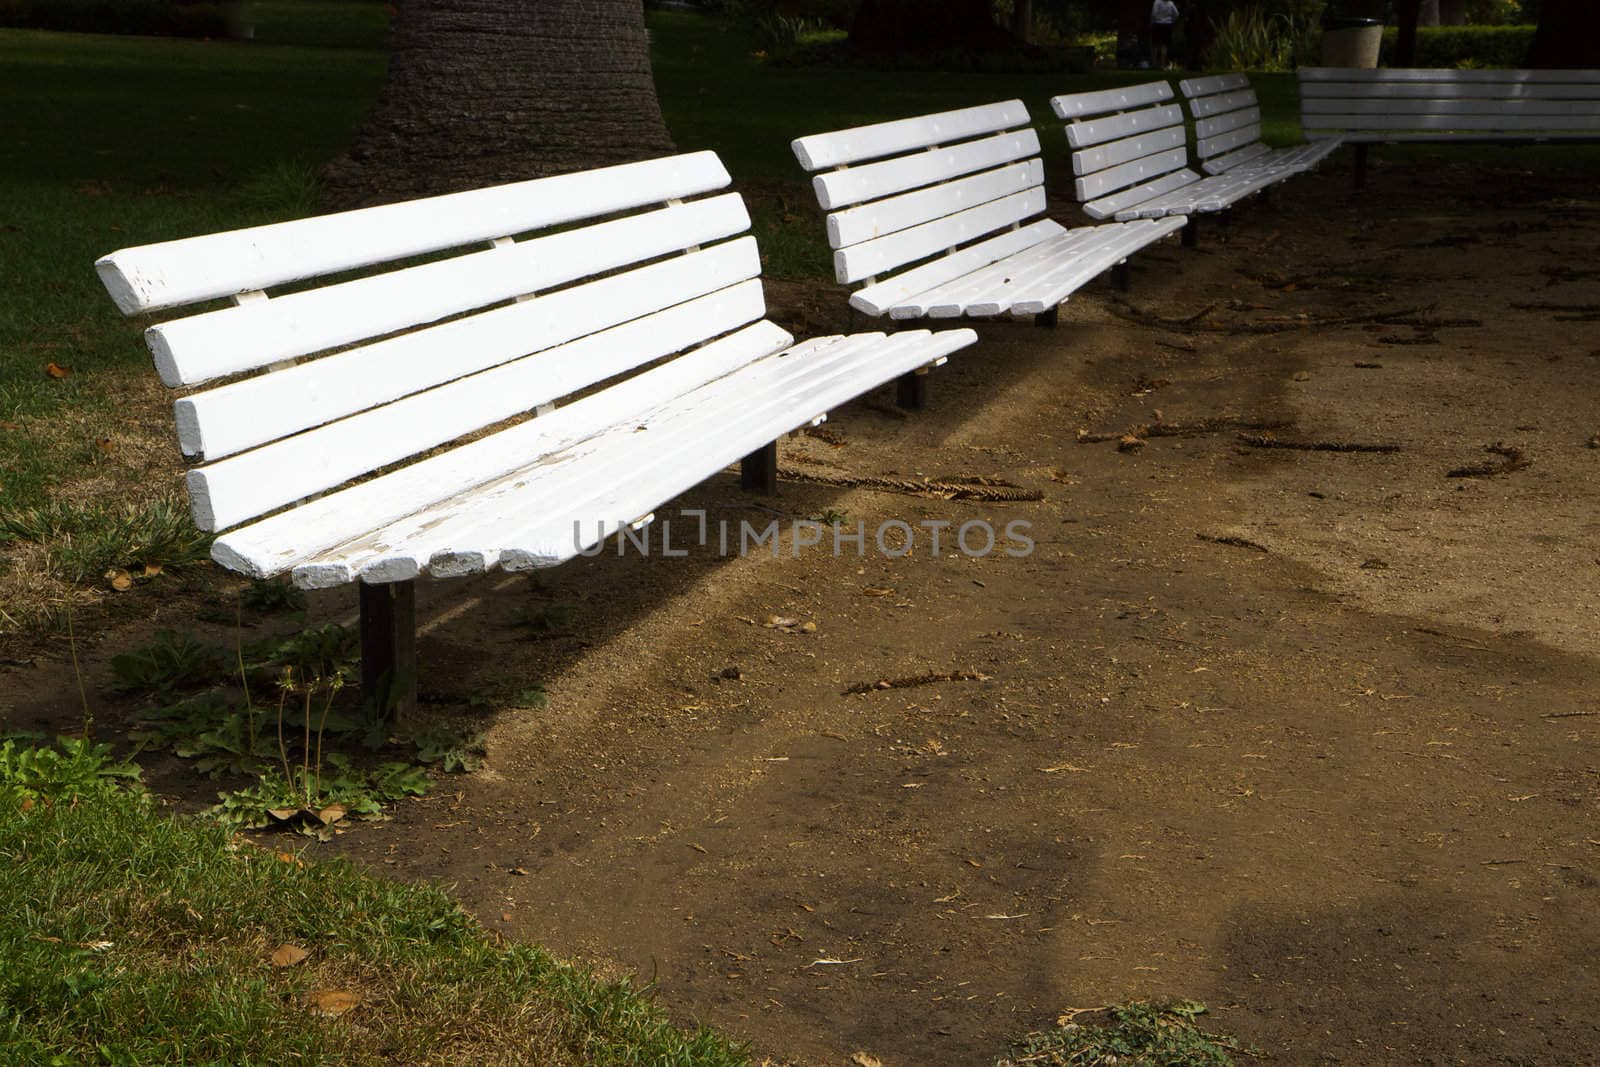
1051 318
389 648
911 391
1122 276
1361 165
1191 232
758 472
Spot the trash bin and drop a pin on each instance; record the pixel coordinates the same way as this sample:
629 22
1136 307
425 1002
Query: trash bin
1350 40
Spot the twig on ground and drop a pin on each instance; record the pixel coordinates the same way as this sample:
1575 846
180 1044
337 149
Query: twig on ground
1236 542
1511 459
987 489
1266 441
916 680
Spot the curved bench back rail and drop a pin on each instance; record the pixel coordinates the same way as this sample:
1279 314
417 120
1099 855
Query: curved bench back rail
1227 121
1367 106
1128 148
928 188
310 388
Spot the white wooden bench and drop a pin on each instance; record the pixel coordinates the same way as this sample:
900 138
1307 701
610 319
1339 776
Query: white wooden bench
349 445
1391 105
951 192
1227 130
1130 158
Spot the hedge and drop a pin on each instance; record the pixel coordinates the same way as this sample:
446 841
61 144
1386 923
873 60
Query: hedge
1465 46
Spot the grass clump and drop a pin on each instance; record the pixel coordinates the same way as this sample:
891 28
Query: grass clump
1132 1035
131 936
85 541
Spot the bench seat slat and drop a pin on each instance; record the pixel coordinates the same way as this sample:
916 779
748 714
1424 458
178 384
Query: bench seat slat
248 413
881 297
987 285
1122 205
843 147
842 188
614 476
880 217
886 253
1256 154
216 265
280 542
217 343
331 455
1043 290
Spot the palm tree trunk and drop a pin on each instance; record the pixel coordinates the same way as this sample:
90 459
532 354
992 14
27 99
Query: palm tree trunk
1568 35
488 91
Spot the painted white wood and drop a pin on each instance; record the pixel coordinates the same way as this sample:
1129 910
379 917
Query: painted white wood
1212 85
1448 91
893 214
1227 122
248 413
1509 124
1077 105
1114 153
841 188
1226 142
202 268
280 542
1435 74
1399 110
202 347
1095 251
1123 205
1086 133
823 150
320 459
1256 152
984 291
880 297
885 253
1047 290
1210 106
1440 137
1137 172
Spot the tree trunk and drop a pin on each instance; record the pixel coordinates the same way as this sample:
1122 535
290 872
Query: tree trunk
1428 13
1021 20
889 27
1568 35
481 92
1405 49
1452 12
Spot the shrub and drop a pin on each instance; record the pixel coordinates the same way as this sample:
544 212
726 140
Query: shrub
166 18
1465 46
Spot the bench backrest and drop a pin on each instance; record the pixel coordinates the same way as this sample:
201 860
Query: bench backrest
1532 104
1128 146
334 381
909 190
1227 121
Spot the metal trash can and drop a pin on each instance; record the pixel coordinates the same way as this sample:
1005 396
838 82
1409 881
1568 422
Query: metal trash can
1351 40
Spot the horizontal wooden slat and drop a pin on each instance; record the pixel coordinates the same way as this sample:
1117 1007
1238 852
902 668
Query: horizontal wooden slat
255 334
1099 102
1224 123
1209 106
1439 74
1348 136
991 285
1215 83
244 414
886 253
1114 153
1047 289
277 544
880 217
223 264
1438 91
1090 132
1369 106
842 147
878 298
1139 171
1207 147
288 470
1517 124
841 188
1107 207
1224 163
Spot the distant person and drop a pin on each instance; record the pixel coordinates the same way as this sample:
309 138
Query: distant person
1163 14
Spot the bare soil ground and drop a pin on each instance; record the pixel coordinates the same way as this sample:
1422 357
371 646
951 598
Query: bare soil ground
1307 734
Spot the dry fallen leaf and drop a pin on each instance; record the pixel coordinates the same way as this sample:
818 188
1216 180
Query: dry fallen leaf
865 1059
27 803
331 1002
55 370
331 814
152 569
121 581
284 857
287 955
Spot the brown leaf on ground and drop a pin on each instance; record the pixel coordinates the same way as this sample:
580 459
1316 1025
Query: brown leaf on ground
865 1059
331 1002
56 370
287 955
121 581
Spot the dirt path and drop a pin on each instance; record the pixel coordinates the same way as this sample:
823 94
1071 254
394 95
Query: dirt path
1306 735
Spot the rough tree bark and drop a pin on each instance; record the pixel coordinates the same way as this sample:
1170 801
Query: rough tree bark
1568 35
1452 12
487 91
1428 13
887 27
1405 46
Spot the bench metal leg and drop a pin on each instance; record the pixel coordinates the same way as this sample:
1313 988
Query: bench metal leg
1191 232
758 472
911 391
389 648
1049 318
1122 276
1361 165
